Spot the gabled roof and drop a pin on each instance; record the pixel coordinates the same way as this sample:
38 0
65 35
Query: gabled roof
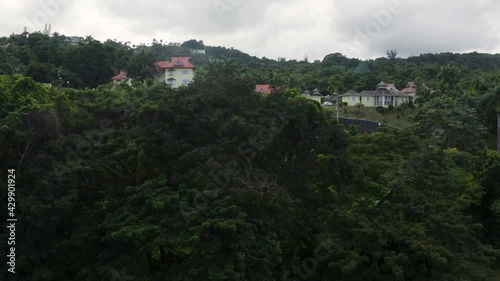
411 85
351 93
392 86
176 62
408 91
366 93
384 92
411 88
263 89
316 93
121 76
382 86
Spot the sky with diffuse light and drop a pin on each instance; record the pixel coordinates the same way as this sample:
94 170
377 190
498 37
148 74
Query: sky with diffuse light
275 28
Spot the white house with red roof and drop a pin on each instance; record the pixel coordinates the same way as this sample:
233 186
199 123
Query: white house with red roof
122 77
177 72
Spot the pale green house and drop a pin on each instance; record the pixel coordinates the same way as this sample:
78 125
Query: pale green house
384 95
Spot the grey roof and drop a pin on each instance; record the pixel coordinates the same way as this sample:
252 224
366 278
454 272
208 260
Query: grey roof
383 92
366 93
316 93
351 92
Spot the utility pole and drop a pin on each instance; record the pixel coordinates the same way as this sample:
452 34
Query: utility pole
337 105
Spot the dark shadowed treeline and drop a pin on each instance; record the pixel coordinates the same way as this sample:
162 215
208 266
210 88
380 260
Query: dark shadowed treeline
215 182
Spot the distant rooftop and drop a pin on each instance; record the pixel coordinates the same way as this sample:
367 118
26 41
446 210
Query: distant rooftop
176 62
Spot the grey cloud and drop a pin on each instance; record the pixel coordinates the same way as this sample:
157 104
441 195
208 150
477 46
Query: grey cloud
291 28
422 27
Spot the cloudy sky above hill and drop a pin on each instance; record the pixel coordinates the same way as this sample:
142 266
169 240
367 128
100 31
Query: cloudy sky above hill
274 28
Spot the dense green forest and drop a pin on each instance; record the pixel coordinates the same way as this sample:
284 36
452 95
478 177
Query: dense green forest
213 181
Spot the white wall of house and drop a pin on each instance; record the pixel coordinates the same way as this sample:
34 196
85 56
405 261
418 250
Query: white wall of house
401 100
368 101
351 100
374 101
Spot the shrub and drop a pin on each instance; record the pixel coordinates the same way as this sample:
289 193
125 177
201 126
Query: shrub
381 109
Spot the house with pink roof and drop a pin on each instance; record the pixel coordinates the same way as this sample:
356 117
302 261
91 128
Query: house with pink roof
121 77
411 90
263 89
177 72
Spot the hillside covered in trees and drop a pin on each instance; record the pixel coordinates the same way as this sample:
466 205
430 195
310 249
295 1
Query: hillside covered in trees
213 181
89 63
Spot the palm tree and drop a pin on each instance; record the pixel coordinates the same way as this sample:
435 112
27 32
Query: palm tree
335 85
224 67
425 94
491 103
229 67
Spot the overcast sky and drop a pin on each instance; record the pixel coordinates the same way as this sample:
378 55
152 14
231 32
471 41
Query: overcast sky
274 28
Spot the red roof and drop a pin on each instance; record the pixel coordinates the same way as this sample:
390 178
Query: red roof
263 89
408 91
411 88
121 76
177 62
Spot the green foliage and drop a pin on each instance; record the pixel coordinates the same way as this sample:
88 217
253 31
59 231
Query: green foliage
193 44
453 125
381 110
27 92
40 72
213 181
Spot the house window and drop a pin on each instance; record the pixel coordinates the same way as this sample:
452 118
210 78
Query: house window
170 81
171 72
178 63
185 81
184 72
353 98
389 100
378 101
367 98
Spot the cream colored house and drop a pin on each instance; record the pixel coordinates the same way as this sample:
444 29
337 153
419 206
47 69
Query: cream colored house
177 72
384 95
315 95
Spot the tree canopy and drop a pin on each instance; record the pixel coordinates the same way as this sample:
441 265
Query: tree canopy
213 181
